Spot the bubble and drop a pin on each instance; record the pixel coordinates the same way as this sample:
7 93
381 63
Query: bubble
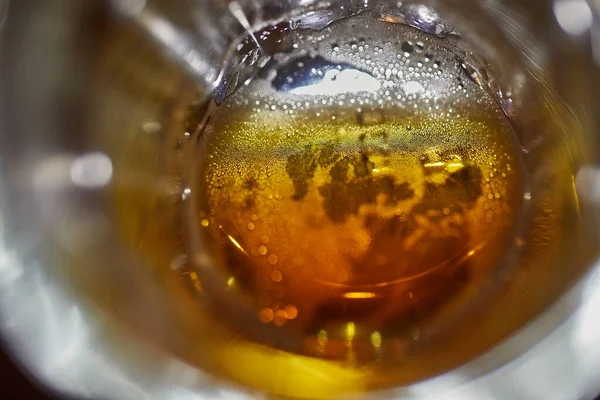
276 276
407 47
266 315
291 312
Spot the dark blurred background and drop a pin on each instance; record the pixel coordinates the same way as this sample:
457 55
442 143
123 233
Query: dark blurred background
15 385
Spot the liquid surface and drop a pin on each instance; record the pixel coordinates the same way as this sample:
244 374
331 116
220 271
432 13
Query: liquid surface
363 190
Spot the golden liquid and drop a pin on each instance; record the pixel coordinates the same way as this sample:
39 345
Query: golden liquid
345 223
373 229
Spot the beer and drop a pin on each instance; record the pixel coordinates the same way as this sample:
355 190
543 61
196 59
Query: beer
362 189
